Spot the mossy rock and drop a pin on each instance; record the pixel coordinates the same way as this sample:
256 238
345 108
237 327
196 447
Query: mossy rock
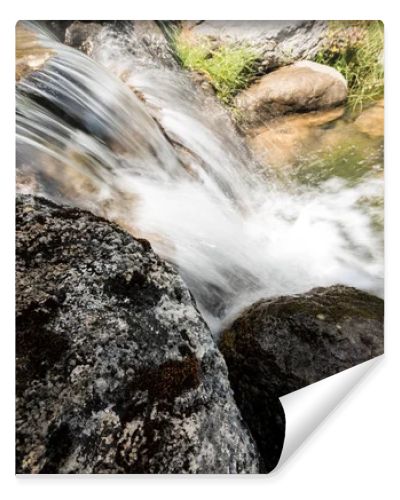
280 345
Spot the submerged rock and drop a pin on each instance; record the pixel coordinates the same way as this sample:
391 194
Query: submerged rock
116 370
303 86
371 120
285 139
280 345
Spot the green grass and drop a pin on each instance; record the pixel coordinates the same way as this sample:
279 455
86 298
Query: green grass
229 69
355 50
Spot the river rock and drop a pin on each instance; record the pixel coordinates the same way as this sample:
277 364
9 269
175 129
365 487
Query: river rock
277 42
302 86
285 139
280 345
371 120
142 40
116 371
150 42
57 28
83 35
30 55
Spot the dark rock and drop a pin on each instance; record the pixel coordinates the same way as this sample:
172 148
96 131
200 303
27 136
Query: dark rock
58 28
280 345
116 370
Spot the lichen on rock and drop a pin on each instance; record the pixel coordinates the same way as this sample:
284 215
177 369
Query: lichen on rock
107 383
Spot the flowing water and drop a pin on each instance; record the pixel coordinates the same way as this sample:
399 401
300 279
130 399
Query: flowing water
131 138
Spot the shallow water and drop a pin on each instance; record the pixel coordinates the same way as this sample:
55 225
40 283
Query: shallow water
151 153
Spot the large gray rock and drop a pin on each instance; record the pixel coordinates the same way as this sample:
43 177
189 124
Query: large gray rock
116 370
303 86
277 42
280 345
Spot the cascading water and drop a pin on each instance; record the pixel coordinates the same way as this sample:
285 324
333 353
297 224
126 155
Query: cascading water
172 169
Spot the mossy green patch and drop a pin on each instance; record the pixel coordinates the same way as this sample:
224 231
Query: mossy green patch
229 68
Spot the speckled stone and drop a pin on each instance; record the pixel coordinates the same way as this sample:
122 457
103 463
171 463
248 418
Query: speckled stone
280 345
116 370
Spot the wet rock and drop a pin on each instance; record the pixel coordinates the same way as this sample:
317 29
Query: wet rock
202 81
303 86
371 120
281 345
83 35
57 28
30 55
283 140
151 42
142 40
278 42
116 370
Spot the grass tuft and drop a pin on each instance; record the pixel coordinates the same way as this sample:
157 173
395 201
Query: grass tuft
355 49
229 69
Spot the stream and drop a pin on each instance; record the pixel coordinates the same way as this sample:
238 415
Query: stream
132 139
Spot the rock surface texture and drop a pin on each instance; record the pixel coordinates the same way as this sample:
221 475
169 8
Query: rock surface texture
281 345
371 121
283 140
139 39
29 54
278 42
83 35
303 86
116 370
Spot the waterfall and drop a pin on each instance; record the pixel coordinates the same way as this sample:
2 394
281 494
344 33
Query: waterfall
133 140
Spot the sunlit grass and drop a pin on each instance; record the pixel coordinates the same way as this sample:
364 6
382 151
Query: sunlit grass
229 69
355 49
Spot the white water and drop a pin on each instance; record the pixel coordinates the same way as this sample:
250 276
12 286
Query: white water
174 170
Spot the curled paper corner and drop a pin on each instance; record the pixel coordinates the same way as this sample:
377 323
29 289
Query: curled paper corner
306 408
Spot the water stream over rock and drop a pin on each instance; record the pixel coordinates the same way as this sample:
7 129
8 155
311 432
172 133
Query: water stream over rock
128 136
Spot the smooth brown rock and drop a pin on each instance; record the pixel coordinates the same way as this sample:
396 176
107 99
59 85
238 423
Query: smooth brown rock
300 87
371 120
